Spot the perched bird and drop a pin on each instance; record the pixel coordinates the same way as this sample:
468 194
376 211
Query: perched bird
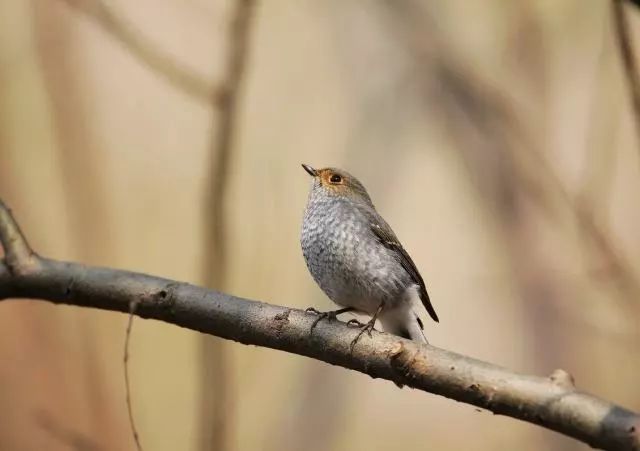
357 260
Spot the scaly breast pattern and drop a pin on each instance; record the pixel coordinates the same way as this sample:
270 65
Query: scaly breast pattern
346 259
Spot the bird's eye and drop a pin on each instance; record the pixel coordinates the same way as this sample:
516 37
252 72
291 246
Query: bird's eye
335 178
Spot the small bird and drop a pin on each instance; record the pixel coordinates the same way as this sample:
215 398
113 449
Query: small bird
357 260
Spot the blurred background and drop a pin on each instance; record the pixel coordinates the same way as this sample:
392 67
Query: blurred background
161 136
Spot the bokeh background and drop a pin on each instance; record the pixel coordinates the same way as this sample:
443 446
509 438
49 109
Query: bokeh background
496 137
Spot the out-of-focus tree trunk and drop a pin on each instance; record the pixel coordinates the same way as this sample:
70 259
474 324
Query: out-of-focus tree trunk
52 376
217 406
84 190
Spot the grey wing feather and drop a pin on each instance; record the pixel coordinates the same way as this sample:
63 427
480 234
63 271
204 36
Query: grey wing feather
385 234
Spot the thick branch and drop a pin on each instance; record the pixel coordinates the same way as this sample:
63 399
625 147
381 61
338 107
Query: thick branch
551 402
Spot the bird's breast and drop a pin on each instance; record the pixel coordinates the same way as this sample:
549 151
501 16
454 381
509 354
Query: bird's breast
346 260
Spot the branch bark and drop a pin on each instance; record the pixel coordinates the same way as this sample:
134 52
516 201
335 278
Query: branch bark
552 402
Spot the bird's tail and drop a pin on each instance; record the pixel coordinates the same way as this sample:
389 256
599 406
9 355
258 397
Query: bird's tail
402 321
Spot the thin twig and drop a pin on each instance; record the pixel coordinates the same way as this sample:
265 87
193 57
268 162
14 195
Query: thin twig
134 430
623 37
18 253
551 402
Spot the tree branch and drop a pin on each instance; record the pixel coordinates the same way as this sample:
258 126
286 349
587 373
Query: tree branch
180 77
551 402
17 252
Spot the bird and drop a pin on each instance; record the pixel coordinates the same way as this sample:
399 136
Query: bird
357 259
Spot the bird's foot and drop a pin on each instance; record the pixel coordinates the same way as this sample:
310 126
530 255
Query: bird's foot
325 315
368 327
355 323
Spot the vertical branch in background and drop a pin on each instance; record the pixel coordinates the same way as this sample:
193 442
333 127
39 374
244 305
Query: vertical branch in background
623 37
84 191
484 127
81 174
216 408
179 77
604 114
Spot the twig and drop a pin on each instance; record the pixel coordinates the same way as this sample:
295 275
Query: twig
18 254
551 402
164 65
127 383
623 36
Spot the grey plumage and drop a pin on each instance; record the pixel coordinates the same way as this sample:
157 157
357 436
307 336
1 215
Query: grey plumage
355 257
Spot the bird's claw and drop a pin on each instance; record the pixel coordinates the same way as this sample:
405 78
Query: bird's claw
321 316
355 323
329 315
368 327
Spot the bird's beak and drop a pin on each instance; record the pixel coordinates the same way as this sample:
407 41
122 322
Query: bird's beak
310 170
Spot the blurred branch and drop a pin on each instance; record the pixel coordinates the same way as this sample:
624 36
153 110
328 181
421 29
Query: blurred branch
237 56
84 187
215 405
551 402
623 36
183 79
633 2
496 143
595 231
67 437
602 152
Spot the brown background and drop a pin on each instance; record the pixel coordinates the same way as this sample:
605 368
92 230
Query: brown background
496 137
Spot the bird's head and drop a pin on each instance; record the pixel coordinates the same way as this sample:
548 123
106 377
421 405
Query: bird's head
336 183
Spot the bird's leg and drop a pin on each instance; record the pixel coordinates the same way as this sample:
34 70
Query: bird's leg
329 315
367 327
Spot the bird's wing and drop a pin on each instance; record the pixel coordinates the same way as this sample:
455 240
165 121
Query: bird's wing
387 238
